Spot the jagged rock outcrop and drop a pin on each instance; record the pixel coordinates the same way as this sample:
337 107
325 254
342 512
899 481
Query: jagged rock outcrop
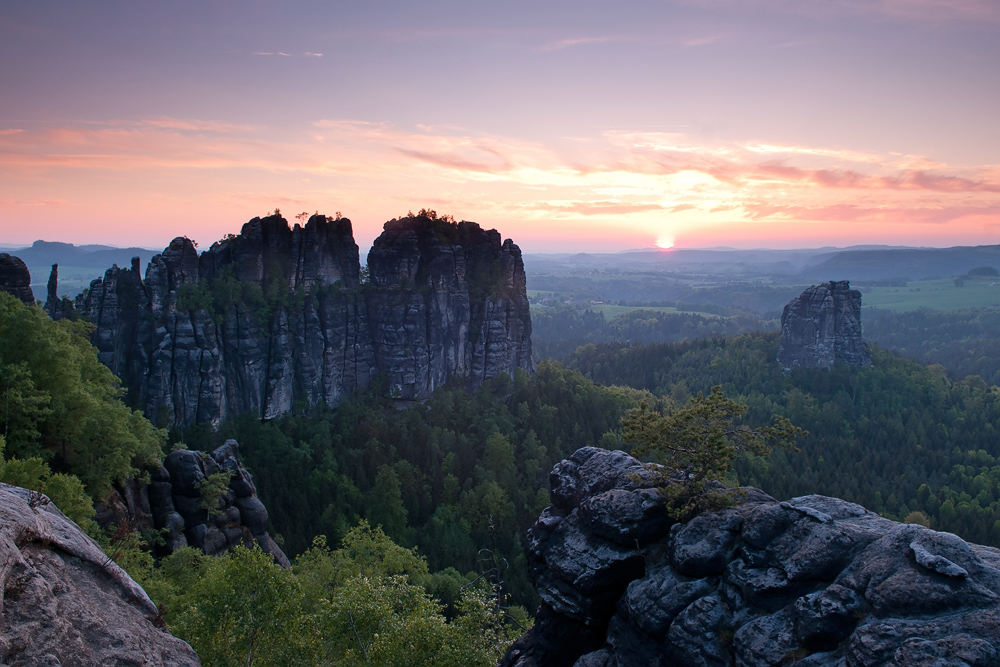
821 327
173 500
15 278
64 602
812 582
278 314
446 300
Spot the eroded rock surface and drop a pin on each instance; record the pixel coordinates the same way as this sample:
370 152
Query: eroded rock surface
15 278
812 582
279 314
64 602
821 327
173 500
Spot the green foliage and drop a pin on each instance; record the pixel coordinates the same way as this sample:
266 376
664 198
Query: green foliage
430 475
389 621
213 489
246 610
557 331
701 441
896 438
59 403
66 491
358 604
364 552
966 342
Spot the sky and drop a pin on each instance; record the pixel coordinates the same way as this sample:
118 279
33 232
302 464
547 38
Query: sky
568 125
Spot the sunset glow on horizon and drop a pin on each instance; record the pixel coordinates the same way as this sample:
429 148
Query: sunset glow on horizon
686 124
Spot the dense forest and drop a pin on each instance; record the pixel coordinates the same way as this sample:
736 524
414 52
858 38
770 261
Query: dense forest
557 331
388 508
966 342
900 438
432 475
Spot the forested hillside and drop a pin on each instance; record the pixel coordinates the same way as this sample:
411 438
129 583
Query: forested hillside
556 332
431 475
966 342
900 438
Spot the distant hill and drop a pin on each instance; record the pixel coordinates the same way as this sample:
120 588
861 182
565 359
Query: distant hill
728 261
78 264
910 263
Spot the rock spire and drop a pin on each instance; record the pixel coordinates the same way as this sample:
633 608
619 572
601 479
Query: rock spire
821 327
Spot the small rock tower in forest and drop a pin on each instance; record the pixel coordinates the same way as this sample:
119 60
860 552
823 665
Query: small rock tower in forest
821 327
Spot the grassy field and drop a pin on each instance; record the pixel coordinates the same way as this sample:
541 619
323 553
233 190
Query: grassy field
934 294
615 311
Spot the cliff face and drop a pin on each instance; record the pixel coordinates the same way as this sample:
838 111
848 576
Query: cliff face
15 279
279 314
62 601
821 327
813 582
446 300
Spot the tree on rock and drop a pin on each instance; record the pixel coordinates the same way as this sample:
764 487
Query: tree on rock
697 445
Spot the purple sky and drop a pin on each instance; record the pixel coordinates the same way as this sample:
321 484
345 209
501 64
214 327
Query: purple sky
565 125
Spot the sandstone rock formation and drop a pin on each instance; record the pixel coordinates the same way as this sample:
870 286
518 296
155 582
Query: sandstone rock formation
173 501
446 301
812 582
15 278
64 602
821 327
279 314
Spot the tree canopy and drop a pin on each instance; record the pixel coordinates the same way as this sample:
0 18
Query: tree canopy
60 405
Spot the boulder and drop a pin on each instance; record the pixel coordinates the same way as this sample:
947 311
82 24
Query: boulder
65 602
15 278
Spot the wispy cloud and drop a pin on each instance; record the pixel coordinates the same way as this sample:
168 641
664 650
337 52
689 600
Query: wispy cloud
932 11
561 44
637 180
33 202
307 54
702 41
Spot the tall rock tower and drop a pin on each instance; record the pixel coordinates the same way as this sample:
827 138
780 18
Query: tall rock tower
277 315
821 327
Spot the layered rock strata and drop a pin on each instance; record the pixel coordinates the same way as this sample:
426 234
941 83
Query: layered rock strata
15 278
812 582
446 300
278 314
64 602
822 327
174 501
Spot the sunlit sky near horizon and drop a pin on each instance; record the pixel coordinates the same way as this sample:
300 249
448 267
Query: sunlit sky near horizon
568 126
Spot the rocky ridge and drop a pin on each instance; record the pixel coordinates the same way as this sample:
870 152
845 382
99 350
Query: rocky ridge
63 602
279 314
821 327
812 582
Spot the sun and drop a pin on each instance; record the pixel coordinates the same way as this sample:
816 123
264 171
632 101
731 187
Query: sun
665 242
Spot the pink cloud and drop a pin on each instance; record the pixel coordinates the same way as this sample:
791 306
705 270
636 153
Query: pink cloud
577 41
